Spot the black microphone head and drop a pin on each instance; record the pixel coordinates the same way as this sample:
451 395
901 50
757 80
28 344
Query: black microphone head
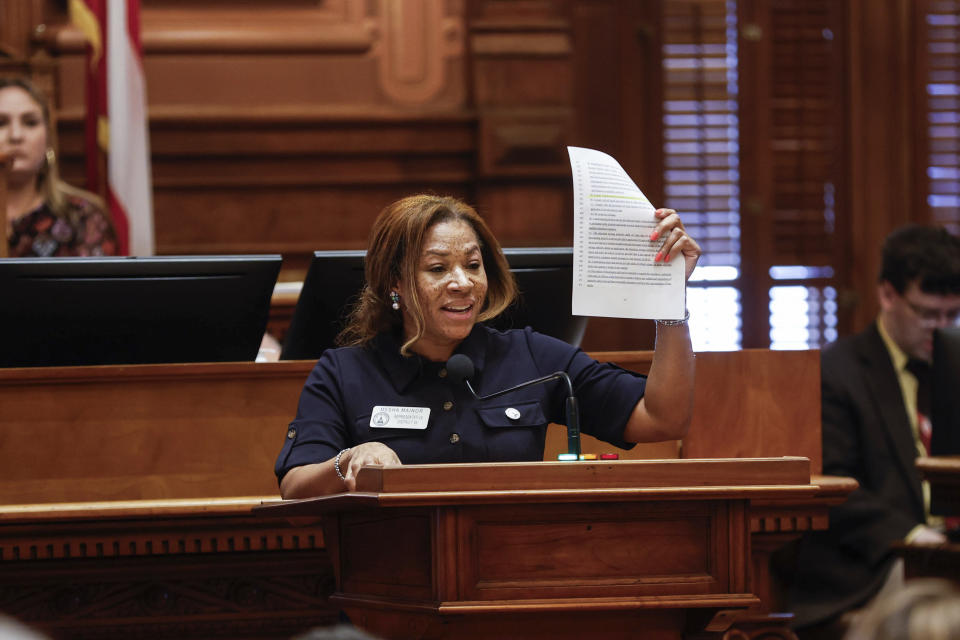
460 367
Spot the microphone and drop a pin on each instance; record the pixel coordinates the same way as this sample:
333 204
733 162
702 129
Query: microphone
460 367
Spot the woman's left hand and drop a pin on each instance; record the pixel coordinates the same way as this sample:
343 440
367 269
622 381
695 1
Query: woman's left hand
675 239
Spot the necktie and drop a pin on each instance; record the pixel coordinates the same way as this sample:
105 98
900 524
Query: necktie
923 373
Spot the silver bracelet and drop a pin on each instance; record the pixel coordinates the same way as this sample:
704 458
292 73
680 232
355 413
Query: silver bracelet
336 464
675 323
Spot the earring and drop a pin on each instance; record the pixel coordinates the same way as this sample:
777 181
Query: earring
51 156
395 300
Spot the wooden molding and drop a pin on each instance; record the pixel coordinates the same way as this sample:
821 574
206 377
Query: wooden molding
234 31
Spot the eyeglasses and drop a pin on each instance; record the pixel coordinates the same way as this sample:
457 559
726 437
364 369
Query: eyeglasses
930 317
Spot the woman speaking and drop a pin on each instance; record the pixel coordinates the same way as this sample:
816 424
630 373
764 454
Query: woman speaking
434 274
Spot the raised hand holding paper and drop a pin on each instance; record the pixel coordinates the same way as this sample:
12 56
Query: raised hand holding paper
614 271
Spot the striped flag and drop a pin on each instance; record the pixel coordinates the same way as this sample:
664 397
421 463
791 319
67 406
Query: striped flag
118 142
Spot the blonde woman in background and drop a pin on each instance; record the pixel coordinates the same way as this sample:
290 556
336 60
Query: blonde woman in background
45 216
925 609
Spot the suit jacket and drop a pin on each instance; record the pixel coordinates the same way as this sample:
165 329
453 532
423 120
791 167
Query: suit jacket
867 436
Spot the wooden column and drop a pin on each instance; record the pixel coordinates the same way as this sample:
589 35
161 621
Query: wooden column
881 138
520 74
18 21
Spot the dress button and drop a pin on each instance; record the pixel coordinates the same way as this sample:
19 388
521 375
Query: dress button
447 405
442 373
292 433
454 438
512 413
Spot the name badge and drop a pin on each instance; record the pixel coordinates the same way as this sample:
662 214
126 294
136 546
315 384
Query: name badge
400 417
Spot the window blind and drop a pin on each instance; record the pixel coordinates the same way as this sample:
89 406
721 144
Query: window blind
701 147
941 34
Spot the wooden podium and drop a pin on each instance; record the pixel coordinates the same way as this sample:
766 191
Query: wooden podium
943 473
614 549
940 561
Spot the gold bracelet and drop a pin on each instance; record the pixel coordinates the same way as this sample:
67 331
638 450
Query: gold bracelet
675 323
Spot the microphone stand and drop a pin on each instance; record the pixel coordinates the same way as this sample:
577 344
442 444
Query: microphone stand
572 408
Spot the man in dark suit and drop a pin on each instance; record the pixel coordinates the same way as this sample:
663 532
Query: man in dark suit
873 429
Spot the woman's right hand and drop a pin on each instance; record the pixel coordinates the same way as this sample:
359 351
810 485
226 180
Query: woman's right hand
362 455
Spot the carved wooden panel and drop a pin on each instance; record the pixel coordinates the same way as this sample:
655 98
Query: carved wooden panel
232 595
610 555
162 569
128 529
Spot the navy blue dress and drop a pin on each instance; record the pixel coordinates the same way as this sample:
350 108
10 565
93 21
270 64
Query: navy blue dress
336 404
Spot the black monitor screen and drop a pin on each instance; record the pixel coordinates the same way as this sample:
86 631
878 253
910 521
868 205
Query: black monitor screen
92 311
335 278
945 418
945 440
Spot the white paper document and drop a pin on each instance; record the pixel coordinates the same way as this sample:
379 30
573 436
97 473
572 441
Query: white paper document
614 273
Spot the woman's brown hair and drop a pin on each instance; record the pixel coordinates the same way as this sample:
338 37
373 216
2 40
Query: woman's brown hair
55 191
393 255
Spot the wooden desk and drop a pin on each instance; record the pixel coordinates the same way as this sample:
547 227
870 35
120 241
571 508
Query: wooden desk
133 486
943 474
145 432
941 561
213 430
549 550
126 497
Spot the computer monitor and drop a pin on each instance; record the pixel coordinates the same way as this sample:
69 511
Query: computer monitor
331 287
945 440
945 417
545 279
95 311
335 278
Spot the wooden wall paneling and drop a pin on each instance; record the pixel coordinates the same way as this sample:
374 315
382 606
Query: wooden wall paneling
546 75
161 569
771 388
287 128
741 397
792 173
757 187
521 89
597 77
921 63
617 86
521 82
157 596
422 47
617 107
144 432
882 123
18 20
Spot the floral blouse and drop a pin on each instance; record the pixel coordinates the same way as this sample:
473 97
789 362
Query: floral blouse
84 231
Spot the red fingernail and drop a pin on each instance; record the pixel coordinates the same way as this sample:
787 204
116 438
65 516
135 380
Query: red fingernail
654 236
657 257
666 258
